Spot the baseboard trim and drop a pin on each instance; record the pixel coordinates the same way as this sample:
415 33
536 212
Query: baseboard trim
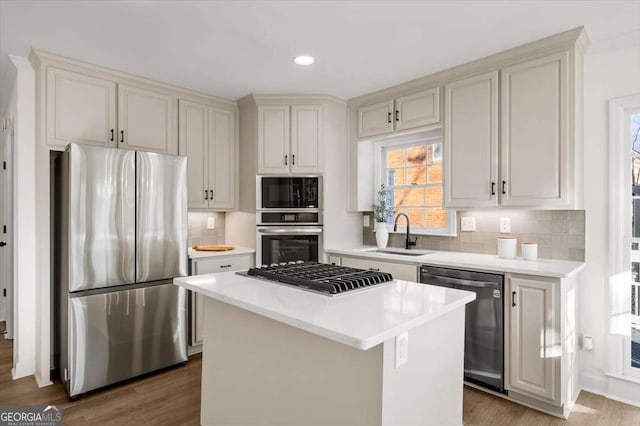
42 382
602 385
23 369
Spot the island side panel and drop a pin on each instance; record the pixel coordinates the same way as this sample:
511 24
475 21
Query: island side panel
427 390
261 372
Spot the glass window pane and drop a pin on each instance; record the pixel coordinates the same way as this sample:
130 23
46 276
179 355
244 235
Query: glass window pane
395 158
434 173
437 153
413 197
417 175
416 217
434 196
396 176
437 218
416 156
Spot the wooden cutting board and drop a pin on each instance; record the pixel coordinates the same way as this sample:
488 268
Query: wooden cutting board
213 248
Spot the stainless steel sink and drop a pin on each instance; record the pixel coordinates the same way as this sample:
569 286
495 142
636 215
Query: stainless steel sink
402 253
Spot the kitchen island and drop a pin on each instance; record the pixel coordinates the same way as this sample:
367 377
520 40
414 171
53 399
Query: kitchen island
274 354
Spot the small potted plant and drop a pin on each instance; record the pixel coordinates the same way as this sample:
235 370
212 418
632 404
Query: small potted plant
381 212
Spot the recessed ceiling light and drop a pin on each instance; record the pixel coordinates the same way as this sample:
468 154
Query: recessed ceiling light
303 60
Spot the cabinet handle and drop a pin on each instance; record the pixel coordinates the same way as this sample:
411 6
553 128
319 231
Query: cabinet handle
286 160
513 298
293 159
121 136
504 185
225 266
493 188
389 117
211 194
206 194
111 135
397 117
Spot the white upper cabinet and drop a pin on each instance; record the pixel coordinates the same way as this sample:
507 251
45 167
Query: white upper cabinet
376 119
535 347
80 109
222 158
407 112
146 120
306 138
194 144
273 139
418 109
290 139
535 144
471 141
208 140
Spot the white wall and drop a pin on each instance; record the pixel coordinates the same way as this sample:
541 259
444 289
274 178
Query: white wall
607 74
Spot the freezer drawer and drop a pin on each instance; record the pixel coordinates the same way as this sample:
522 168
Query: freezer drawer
117 335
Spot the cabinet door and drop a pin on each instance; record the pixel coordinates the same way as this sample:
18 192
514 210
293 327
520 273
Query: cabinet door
418 109
399 271
374 120
273 139
194 144
534 132
222 158
306 138
146 120
80 109
471 142
534 340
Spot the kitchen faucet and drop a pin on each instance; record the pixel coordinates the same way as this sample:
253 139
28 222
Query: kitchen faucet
408 242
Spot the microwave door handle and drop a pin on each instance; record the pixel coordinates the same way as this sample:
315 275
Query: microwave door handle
456 281
290 231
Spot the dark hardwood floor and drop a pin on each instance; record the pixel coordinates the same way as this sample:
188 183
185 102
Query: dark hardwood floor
172 397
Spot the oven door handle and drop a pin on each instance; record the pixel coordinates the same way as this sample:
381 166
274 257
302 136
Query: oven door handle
291 231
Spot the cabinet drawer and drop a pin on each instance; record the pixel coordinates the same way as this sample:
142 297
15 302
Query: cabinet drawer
222 264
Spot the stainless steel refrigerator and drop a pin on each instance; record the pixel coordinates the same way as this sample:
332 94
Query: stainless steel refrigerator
120 237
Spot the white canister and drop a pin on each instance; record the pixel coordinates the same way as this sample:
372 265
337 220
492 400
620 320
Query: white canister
529 251
507 247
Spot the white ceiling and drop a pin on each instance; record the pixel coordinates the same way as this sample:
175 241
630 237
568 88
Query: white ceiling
233 48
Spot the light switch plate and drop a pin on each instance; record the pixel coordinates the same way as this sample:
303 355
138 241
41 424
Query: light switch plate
365 221
211 223
505 225
468 223
587 343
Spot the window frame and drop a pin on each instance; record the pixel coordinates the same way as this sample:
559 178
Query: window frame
416 139
619 306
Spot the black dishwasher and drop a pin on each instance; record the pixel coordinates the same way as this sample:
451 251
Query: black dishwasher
484 322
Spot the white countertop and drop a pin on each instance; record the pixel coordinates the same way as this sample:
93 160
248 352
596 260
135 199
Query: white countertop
359 319
482 262
238 250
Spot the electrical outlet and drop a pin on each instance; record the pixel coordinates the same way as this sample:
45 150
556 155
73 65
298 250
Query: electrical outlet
468 223
505 225
365 221
587 343
402 349
211 223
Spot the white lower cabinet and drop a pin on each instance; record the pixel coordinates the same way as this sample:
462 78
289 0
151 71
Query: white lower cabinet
399 271
211 265
535 346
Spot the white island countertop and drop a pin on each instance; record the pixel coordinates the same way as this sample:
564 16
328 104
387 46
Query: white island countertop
461 260
360 319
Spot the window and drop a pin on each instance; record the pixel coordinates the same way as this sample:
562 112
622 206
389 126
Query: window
624 235
412 172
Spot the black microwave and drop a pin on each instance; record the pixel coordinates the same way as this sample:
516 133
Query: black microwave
287 192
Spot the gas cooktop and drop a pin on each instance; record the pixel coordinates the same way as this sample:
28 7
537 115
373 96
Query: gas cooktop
321 277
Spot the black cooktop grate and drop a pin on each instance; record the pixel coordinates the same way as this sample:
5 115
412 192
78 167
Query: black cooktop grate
322 277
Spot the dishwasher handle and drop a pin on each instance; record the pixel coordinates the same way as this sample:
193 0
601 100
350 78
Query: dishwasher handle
438 279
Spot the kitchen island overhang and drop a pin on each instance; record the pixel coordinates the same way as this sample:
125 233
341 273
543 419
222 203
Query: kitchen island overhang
280 355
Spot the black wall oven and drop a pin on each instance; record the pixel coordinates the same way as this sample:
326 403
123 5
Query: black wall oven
289 219
288 192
